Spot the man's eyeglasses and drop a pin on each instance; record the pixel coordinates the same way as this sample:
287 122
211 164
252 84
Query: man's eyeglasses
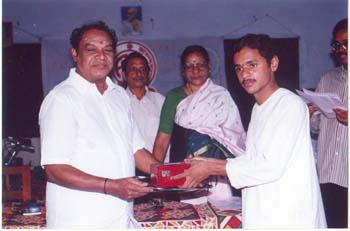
200 66
342 44
249 66
134 70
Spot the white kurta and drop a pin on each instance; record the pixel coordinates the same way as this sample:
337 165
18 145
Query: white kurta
277 173
147 114
96 134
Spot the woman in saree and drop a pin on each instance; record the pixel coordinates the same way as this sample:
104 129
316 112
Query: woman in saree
200 119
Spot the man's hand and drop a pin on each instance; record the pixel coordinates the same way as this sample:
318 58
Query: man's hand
312 108
198 171
342 116
71 177
127 188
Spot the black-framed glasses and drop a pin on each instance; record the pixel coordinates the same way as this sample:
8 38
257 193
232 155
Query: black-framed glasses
342 44
200 66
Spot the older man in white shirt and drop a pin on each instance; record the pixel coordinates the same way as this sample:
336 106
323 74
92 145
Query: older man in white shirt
146 103
90 143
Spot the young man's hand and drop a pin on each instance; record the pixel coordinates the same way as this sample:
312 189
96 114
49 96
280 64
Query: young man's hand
195 174
201 168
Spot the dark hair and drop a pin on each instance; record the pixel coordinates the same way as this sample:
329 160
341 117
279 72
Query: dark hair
78 33
194 49
341 25
131 56
261 42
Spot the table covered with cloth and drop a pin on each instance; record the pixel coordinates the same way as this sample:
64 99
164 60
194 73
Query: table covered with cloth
178 215
171 215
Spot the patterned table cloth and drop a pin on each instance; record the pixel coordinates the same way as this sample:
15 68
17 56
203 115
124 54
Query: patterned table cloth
178 215
172 215
229 219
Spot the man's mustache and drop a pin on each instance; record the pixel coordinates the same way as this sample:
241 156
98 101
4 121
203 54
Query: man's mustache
247 80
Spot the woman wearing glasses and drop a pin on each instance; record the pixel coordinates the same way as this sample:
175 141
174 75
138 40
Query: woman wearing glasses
200 119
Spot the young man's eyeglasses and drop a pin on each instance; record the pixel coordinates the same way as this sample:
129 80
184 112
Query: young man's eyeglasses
342 44
249 66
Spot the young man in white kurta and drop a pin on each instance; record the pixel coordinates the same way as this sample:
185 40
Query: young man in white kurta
277 172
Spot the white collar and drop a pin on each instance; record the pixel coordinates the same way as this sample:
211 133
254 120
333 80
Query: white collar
83 85
133 96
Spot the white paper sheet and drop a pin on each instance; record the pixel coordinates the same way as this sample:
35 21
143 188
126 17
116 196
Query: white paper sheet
326 102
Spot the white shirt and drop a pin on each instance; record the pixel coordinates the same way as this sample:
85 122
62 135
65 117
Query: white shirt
147 114
96 134
277 172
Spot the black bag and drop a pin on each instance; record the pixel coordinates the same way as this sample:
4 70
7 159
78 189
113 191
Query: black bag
190 143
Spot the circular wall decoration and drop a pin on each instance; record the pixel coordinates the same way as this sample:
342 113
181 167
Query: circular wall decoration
124 48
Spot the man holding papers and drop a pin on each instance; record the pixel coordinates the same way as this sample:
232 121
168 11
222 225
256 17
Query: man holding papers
332 159
323 102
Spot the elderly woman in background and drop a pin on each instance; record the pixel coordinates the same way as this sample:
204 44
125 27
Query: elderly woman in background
200 119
